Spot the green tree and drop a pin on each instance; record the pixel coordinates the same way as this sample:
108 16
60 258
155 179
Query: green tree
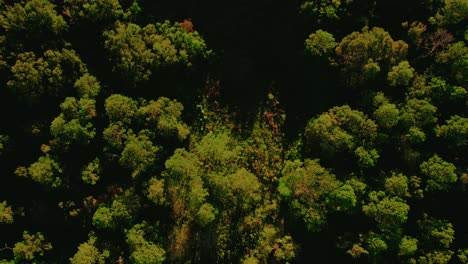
31 22
387 115
272 245
455 131
73 125
244 189
32 246
361 54
90 173
6 213
165 115
139 154
438 256
206 214
436 233
463 255
452 12
320 43
305 186
375 245
408 246
137 52
87 86
120 108
96 11
401 74
115 136
341 129
415 135
418 112
88 253
119 213
102 218
454 62
46 171
142 250
389 213
342 198
155 191
397 185
366 158
52 75
439 174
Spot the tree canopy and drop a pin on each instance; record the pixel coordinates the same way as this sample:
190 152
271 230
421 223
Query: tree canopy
314 131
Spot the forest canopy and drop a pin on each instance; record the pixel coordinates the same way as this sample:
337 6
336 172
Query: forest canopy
139 131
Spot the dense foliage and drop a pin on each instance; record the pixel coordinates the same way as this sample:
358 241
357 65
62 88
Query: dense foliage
142 131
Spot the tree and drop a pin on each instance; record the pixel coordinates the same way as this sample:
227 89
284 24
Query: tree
366 158
31 22
73 125
115 136
305 187
454 62
408 246
88 253
360 55
439 174
142 250
271 245
324 9
455 131
95 11
330 11
139 154
451 13
415 135
87 86
165 115
418 112
155 191
341 129
90 173
416 32
6 213
375 245
387 115
32 246
52 75
397 185
243 189
320 43
102 218
119 213
148 253
342 198
206 214
439 256
436 233
120 108
46 171
218 151
401 74
389 213
137 52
